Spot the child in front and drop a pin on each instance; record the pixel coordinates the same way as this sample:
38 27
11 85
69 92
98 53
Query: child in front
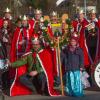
74 62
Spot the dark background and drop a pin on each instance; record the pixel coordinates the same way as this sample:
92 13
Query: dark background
25 6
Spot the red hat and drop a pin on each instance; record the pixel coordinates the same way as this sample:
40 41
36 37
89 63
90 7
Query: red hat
75 37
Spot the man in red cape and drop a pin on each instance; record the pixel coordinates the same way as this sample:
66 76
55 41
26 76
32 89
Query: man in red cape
40 63
86 40
79 26
20 45
93 39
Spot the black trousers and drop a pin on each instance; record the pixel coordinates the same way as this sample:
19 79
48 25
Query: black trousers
5 80
0 80
37 83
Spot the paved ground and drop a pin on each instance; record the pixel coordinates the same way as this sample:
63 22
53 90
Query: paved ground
89 95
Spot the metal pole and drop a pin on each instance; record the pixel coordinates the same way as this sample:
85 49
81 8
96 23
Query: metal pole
85 7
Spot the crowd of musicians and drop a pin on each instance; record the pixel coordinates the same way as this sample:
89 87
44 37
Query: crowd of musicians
49 55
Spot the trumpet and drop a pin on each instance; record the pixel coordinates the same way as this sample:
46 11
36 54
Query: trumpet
91 29
90 26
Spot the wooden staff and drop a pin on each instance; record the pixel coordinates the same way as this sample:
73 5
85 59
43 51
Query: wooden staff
59 63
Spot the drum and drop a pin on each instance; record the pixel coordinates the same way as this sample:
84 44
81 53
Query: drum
97 74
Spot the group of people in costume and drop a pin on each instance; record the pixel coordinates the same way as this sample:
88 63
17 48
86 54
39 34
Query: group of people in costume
43 52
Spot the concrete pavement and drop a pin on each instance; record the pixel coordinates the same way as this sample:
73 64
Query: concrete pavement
89 95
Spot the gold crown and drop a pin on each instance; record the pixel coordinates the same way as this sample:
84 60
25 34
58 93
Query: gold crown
7 10
81 11
38 11
20 16
54 13
24 17
93 11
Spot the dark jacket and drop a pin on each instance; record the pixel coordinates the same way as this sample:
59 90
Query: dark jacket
3 51
72 60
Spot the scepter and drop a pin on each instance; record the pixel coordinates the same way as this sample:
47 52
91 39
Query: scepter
57 34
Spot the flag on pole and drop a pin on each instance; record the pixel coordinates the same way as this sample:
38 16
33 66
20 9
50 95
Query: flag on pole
59 2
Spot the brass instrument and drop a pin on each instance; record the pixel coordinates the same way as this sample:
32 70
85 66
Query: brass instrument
91 29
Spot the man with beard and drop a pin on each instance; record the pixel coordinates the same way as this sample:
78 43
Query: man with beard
40 65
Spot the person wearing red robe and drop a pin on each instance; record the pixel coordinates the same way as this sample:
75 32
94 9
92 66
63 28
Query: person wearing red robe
6 30
20 45
37 18
40 64
93 38
55 24
31 20
79 27
6 35
7 16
